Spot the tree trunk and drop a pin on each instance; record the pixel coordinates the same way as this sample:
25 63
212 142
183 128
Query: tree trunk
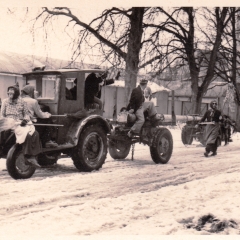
213 57
234 65
134 47
194 70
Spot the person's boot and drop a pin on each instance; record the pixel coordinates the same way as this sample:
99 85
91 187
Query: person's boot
214 154
33 161
51 144
130 134
206 154
226 143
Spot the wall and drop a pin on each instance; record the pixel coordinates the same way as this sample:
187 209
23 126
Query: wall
162 101
113 100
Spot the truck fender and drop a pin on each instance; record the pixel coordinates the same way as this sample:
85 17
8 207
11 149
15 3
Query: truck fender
77 127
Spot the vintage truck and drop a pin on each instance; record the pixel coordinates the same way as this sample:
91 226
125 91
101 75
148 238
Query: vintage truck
80 131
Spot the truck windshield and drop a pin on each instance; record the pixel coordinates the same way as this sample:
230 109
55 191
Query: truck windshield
45 85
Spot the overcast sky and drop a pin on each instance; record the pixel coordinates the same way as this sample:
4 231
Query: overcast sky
16 36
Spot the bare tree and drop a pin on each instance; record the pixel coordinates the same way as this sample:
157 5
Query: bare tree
119 34
183 43
228 54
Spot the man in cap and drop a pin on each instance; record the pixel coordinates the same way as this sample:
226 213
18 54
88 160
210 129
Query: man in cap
37 115
138 106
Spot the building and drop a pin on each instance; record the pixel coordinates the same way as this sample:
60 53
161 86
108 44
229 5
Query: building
113 98
12 65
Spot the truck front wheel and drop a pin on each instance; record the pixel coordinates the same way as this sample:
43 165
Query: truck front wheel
16 164
91 150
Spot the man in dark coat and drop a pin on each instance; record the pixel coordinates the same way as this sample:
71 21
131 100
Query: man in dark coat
226 128
138 106
211 132
93 88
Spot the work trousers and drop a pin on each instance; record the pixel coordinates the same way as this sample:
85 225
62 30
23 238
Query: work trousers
147 106
45 132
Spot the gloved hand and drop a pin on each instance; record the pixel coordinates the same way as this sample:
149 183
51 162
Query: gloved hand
104 76
118 75
131 111
197 125
23 123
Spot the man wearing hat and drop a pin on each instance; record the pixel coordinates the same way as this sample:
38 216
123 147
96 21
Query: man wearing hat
138 106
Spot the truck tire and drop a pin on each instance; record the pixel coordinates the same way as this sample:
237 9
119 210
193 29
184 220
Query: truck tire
186 135
47 159
161 150
16 164
91 150
119 150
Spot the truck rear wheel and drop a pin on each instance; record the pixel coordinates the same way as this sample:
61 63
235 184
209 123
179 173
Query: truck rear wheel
91 150
16 164
161 150
186 135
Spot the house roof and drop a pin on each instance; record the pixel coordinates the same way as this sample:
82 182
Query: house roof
154 86
15 63
183 89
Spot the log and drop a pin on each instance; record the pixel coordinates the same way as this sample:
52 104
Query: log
181 118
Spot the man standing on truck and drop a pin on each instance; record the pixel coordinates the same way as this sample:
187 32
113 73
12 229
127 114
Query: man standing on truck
93 86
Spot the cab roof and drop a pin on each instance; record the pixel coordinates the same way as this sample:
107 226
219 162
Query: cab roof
64 70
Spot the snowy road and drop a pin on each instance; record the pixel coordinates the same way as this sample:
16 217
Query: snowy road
106 201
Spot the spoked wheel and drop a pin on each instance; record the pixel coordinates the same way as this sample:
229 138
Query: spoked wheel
91 151
161 150
119 149
16 164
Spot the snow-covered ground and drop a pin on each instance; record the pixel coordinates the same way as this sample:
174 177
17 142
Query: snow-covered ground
191 195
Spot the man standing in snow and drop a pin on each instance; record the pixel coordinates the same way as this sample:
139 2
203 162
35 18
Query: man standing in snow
211 131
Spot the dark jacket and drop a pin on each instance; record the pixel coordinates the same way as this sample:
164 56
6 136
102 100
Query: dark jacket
91 88
136 99
212 116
